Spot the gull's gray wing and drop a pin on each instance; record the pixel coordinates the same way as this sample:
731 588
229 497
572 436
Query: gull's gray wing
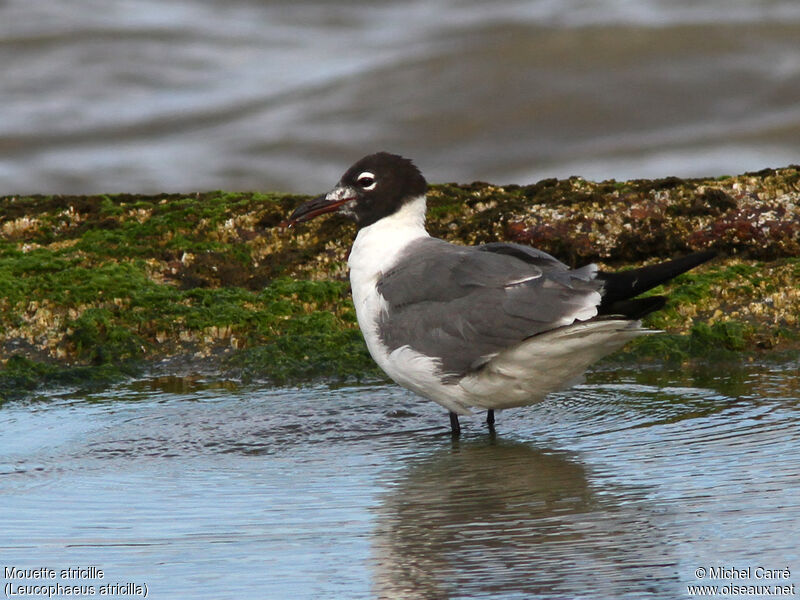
463 305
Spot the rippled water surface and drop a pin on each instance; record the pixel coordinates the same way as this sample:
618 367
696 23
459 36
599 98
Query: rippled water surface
622 487
163 95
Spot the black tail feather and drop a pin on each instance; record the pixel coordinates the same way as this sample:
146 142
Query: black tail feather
620 288
635 308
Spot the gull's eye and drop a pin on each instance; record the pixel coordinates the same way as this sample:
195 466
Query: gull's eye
366 181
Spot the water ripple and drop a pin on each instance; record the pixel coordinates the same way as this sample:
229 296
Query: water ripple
628 482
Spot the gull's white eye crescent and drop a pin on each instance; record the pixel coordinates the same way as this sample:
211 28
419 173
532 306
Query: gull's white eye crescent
366 181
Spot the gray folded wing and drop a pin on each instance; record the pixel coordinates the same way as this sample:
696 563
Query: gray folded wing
463 305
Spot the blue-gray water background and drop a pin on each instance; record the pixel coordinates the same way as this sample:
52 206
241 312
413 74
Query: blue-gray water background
181 95
620 488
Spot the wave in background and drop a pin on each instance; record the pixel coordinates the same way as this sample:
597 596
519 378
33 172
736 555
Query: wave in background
175 95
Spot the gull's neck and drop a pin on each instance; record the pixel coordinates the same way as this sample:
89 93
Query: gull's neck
378 246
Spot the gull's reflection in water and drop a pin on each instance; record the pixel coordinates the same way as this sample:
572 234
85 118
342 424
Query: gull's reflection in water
496 518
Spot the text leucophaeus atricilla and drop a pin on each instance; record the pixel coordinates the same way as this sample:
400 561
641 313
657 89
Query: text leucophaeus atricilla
492 326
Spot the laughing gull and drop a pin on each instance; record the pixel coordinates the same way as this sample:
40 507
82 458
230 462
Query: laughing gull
494 326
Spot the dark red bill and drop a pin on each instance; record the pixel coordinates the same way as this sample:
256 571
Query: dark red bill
313 208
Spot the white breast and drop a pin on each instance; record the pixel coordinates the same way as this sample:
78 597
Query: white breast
375 251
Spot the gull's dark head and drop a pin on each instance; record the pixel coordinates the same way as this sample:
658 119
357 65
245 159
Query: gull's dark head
376 186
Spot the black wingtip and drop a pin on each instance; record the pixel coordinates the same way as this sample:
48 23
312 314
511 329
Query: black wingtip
635 308
620 288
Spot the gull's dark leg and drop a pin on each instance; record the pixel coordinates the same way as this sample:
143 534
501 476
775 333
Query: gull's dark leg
490 419
455 427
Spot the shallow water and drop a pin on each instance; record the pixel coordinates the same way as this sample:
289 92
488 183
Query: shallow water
163 95
622 487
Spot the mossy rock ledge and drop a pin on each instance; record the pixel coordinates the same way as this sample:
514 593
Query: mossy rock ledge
93 288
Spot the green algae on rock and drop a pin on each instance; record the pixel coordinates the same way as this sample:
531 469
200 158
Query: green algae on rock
103 285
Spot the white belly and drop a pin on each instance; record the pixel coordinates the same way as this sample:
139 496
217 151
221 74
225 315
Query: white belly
551 361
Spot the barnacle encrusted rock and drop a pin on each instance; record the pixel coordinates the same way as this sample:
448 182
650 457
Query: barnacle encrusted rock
105 280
